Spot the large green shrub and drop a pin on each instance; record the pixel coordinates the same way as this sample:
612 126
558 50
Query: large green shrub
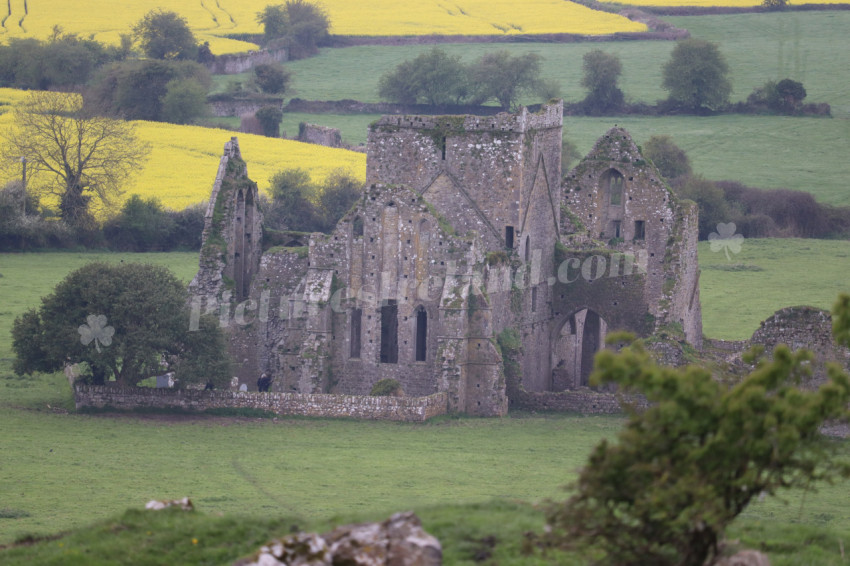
683 469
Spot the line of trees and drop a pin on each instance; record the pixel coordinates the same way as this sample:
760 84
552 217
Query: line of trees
440 79
757 213
696 78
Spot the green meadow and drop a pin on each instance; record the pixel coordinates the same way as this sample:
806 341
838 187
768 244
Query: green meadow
60 471
71 476
806 154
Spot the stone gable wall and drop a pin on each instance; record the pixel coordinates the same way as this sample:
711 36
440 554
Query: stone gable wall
408 409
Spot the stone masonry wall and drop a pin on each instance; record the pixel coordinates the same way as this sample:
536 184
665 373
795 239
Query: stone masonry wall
241 106
408 409
584 401
803 327
320 135
232 64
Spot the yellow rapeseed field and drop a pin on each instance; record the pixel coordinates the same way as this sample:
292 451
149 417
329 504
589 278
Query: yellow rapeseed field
213 19
183 160
704 3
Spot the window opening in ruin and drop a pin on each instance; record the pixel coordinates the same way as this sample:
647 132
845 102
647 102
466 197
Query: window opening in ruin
357 227
615 187
527 248
640 229
356 318
443 145
590 344
421 333
389 332
534 299
509 237
616 230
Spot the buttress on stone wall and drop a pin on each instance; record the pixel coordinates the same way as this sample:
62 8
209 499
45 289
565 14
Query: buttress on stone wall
464 231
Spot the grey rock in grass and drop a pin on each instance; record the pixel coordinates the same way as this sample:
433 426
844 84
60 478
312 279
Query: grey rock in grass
398 541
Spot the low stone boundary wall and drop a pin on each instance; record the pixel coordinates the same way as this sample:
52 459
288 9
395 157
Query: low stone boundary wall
408 409
234 63
241 106
583 401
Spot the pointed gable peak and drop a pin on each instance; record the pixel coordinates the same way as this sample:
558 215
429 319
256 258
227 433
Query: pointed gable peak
615 145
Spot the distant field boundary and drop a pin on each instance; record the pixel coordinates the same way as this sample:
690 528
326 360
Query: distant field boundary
720 10
405 409
670 34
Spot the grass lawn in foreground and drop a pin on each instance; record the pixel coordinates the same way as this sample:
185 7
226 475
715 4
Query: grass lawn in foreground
64 471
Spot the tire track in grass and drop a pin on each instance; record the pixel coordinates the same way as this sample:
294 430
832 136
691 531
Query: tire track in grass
7 16
220 7
256 484
211 13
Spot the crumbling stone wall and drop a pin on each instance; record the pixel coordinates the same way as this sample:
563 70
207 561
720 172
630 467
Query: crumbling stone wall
244 107
319 135
409 409
235 63
803 327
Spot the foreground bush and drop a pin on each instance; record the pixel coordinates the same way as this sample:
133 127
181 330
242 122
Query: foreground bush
682 470
122 322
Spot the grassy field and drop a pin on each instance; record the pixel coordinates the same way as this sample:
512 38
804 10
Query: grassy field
758 47
771 152
92 467
805 154
766 275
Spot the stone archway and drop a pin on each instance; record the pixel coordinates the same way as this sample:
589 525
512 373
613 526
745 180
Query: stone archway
579 337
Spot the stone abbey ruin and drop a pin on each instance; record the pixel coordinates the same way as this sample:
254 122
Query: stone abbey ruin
467 233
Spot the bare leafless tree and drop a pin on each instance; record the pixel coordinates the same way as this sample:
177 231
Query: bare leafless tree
80 157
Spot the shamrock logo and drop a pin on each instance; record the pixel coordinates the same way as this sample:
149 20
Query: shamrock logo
726 239
96 331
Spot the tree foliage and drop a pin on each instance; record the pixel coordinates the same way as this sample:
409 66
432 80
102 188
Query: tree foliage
62 61
80 157
713 206
166 35
120 320
301 26
433 77
298 204
270 118
504 78
272 78
670 159
696 76
437 78
601 71
185 100
684 468
137 90
783 97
